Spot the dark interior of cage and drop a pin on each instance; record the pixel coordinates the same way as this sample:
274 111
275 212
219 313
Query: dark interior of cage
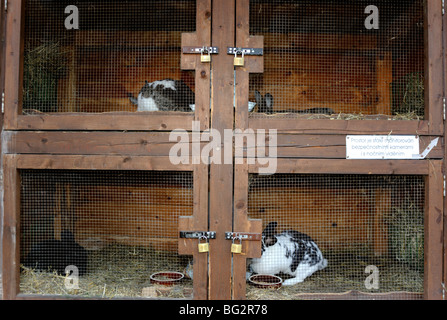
361 224
118 229
320 58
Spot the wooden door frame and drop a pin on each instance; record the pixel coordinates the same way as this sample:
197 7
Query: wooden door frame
162 121
319 146
13 163
431 170
432 125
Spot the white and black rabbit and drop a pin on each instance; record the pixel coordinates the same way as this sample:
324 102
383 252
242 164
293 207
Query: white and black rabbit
265 105
56 255
164 95
289 252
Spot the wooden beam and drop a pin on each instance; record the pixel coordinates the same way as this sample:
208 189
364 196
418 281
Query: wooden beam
434 66
221 175
294 124
163 121
98 162
433 239
13 63
199 220
342 166
11 228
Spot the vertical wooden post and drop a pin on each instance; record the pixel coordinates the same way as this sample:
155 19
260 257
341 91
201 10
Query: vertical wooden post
250 249
221 174
11 228
444 22
13 63
200 38
433 66
433 239
199 220
253 64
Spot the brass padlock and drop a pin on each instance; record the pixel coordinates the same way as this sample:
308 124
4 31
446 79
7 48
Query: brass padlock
204 246
238 61
236 247
205 58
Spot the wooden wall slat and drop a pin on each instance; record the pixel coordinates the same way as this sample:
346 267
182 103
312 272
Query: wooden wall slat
221 175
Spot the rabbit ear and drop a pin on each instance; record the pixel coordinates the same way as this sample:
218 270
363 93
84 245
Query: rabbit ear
270 230
258 97
269 101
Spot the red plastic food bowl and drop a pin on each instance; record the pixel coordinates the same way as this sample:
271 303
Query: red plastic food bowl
265 281
167 278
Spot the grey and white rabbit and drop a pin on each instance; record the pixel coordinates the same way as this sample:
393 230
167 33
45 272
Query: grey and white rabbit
289 252
164 95
265 105
56 255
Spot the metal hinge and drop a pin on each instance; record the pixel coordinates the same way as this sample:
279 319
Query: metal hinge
6 5
443 106
443 290
444 185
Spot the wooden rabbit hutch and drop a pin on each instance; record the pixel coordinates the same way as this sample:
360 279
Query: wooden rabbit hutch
82 153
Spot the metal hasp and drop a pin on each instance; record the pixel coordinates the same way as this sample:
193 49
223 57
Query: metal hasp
199 50
243 236
197 234
245 51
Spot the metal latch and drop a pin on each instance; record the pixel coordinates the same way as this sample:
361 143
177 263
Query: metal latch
197 234
199 50
243 236
245 51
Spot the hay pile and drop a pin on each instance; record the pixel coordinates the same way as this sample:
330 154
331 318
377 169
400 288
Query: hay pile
44 65
346 272
408 95
406 229
116 271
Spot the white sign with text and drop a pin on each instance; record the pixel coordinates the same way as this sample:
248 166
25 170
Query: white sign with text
382 147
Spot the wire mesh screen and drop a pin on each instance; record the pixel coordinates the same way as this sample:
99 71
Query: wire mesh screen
341 60
116 228
101 56
352 233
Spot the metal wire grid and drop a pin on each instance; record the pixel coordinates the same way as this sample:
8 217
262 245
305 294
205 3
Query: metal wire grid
102 65
125 223
325 58
364 226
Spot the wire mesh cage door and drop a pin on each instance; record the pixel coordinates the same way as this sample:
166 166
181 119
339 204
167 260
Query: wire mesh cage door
349 59
323 61
341 234
330 61
116 232
111 58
